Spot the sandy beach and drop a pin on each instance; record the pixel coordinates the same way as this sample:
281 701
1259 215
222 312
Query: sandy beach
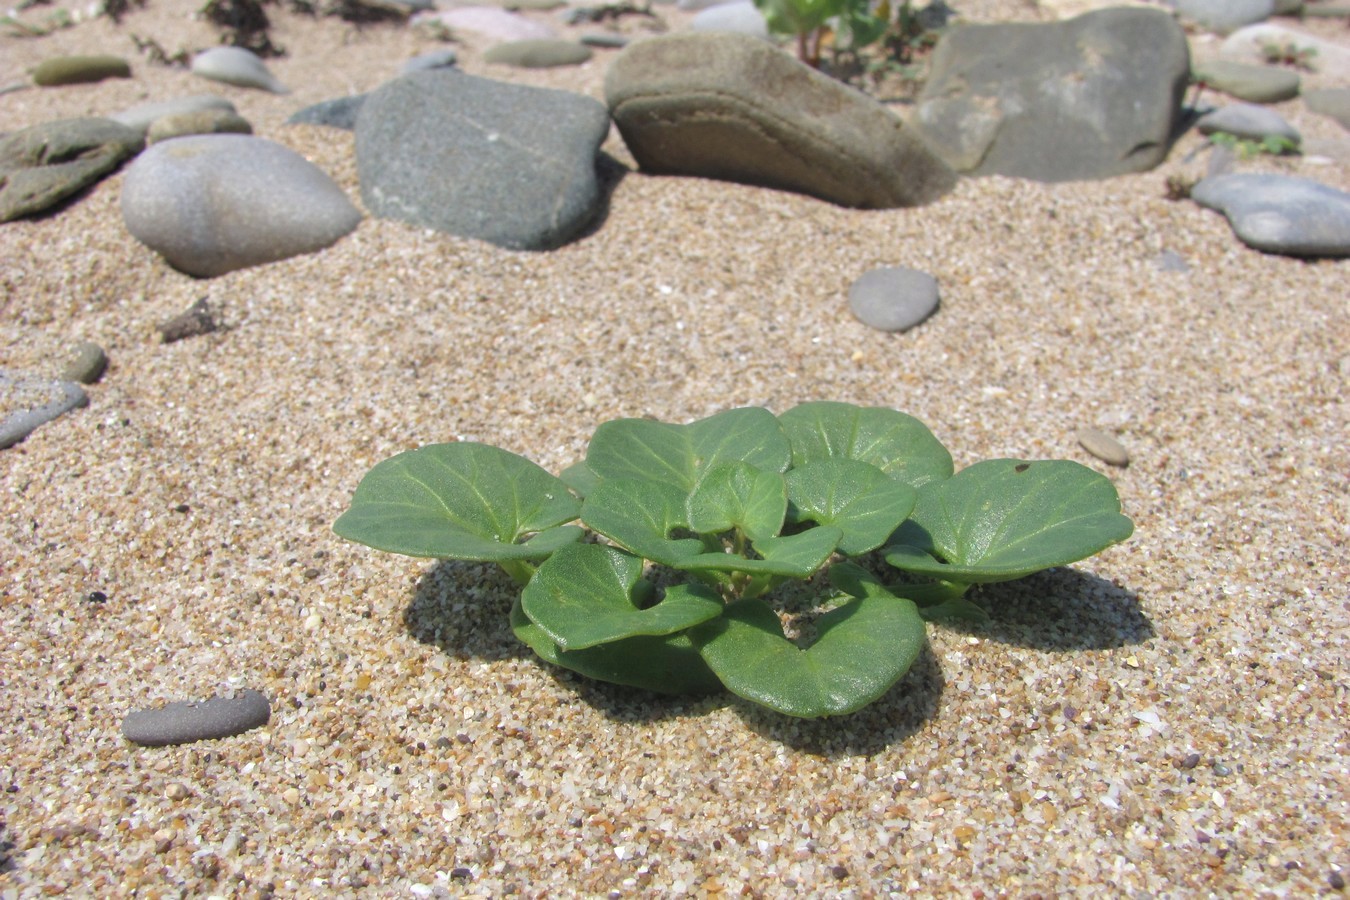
1165 719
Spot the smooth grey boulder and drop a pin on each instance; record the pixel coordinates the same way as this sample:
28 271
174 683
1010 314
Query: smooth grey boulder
468 156
1280 213
1249 122
1225 16
1255 84
340 112
1333 102
44 164
736 108
185 722
236 66
893 298
1091 97
210 204
142 116
27 402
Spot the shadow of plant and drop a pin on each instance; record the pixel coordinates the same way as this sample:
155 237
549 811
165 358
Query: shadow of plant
463 609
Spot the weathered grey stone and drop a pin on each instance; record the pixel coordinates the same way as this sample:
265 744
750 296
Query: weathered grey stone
736 108
1281 214
893 298
468 156
337 113
545 53
1255 84
213 203
1225 16
27 402
185 722
1092 97
44 164
202 121
1333 102
61 70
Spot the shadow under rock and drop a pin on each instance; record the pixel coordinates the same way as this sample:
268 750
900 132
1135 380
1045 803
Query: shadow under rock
608 172
1058 610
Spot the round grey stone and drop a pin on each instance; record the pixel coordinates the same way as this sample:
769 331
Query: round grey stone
538 54
236 66
185 721
893 298
1103 446
87 363
210 204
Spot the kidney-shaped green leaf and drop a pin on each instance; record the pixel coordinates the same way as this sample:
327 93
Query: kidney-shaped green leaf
667 665
863 501
584 595
897 444
1005 518
738 495
640 515
677 454
862 649
460 501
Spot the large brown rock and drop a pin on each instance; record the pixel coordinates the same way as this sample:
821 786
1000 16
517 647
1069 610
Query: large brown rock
736 108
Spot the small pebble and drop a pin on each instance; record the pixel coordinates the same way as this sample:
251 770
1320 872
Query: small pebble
1337 881
1103 446
61 70
176 791
893 298
236 66
185 722
27 402
1221 770
196 321
87 364
1190 761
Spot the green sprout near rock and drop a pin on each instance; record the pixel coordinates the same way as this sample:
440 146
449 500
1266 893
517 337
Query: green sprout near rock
689 534
1246 148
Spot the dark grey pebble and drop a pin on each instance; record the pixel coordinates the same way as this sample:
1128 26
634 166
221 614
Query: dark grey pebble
33 402
1190 761
87 364
187 721
197 320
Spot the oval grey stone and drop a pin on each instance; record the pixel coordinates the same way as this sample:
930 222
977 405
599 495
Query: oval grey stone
27 402
893 298
538 54
87 364
1103 446
187 721
1255 84
1247 121
61 70
236 66
143 115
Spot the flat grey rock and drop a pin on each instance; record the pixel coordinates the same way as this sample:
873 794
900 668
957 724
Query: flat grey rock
236 66
340 112
185 721
1255 84
1280 213
547 53
1247 121
143 115
893 298
1333 102
468 156
1225 16
735 108
214 203
28 402
44 164
1091 97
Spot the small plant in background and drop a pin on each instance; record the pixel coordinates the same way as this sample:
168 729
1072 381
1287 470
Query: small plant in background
1246 148
701 536
1289 54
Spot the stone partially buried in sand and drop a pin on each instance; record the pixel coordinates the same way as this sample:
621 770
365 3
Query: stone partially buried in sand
27 402
893 298
60 70
1093 97
211 204
1255 84
736 108
184 722
143 115
44 164
467 156
1280 213
236 66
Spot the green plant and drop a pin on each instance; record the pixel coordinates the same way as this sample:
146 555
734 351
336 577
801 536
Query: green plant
1246 148
701 531
853 21
1289 54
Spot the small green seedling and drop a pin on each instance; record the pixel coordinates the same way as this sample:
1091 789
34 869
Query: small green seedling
1246 148
697 531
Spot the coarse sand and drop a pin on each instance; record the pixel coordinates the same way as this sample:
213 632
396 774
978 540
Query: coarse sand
1167 718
